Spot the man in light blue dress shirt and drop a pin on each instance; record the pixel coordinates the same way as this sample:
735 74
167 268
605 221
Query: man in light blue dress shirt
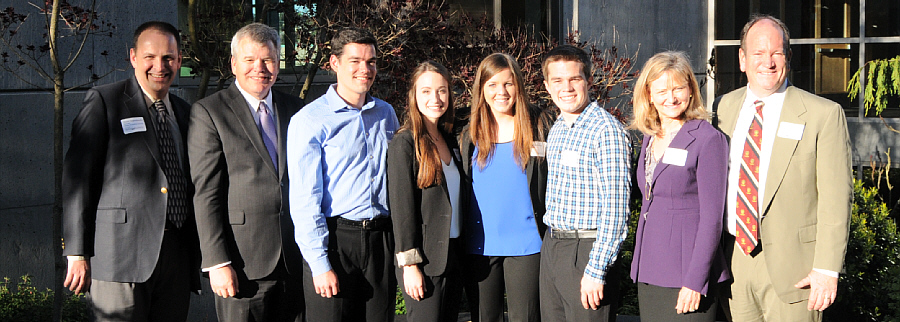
337 147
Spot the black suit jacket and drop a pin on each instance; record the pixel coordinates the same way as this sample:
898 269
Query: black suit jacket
114 207
421 217
241 200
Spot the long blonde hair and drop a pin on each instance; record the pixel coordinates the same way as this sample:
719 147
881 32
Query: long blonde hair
430 170
483 126
676 63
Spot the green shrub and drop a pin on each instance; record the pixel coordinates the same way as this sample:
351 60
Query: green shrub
27 303
869 290
400 305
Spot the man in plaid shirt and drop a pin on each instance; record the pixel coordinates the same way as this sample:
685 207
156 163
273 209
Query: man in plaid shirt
588 186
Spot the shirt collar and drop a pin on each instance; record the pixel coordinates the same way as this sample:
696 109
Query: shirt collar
149 99
778 96
253 101
335 102
590 108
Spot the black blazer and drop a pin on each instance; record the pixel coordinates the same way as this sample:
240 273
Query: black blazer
536 169
241 200
113 205
421 216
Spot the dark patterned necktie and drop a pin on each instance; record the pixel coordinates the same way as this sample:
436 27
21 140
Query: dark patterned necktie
747 230
176 193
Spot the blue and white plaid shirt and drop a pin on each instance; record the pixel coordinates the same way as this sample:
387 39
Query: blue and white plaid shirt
589 182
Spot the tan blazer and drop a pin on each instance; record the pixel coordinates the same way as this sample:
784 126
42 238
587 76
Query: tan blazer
806 209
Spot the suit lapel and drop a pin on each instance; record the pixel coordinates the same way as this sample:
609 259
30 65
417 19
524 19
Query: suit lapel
682 140
283 117
729 109
134 100
782 148
241 110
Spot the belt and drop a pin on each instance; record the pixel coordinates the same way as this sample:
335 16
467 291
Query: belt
379 223
573 234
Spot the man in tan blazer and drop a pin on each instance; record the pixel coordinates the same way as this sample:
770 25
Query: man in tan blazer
789 185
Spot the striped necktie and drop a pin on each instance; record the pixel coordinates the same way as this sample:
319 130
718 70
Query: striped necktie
747 231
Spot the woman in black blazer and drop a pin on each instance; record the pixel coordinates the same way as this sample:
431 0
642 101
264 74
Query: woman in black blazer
424 185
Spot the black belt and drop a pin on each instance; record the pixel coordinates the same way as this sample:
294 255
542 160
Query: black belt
573 234
379 223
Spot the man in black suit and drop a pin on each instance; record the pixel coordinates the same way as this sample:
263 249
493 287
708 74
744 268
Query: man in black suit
236 148
128 226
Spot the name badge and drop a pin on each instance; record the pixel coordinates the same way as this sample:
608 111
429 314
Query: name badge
538 149
133 124
675 156
791 131
570 158
457 154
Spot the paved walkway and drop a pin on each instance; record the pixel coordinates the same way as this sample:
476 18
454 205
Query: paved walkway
466 317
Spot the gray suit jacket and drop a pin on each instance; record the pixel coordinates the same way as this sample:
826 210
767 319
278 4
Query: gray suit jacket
114 210
241 201
806 210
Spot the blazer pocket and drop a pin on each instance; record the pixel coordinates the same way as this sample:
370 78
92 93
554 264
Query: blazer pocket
236 217
808 233
111 215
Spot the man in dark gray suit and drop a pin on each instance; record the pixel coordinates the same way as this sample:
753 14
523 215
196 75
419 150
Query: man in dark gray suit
236 148
128 226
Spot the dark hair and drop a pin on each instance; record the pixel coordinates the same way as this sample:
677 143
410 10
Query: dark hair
260 34
427 155
162 26
785 35
351 35
569 53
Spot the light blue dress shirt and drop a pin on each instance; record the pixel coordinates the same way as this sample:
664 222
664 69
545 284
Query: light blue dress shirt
336 158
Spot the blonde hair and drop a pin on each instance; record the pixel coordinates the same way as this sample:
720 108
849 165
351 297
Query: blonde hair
676 65
483 126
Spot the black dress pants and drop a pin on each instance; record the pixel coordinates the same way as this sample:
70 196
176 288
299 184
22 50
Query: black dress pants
363 261
562 267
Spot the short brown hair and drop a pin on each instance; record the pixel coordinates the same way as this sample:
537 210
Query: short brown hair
351 35
569 53
785 34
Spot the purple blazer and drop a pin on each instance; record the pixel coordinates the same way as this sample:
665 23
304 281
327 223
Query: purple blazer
680 224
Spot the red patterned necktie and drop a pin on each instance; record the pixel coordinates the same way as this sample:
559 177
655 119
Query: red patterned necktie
747 230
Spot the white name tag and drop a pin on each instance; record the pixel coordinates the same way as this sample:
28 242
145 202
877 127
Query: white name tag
456 153
570 158
675 156
538 149
790 131
133 124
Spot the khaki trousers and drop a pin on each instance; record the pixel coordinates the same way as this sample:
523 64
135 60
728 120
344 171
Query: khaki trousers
753 297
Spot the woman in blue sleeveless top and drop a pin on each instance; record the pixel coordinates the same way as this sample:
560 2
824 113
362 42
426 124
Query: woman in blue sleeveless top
503 154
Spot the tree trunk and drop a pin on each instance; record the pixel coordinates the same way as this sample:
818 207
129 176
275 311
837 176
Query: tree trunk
204 83
58 110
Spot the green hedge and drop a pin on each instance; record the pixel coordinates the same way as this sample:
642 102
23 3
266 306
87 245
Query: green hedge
869 289
28 303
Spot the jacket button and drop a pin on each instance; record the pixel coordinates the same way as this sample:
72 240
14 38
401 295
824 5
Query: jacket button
164 190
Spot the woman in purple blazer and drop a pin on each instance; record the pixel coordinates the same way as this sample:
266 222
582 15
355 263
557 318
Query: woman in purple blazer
681 173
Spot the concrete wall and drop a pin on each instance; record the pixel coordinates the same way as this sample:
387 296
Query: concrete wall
645 27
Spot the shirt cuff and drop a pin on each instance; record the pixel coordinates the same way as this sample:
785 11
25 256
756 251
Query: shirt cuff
826 272
76 257
216 266
319 266
409 257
